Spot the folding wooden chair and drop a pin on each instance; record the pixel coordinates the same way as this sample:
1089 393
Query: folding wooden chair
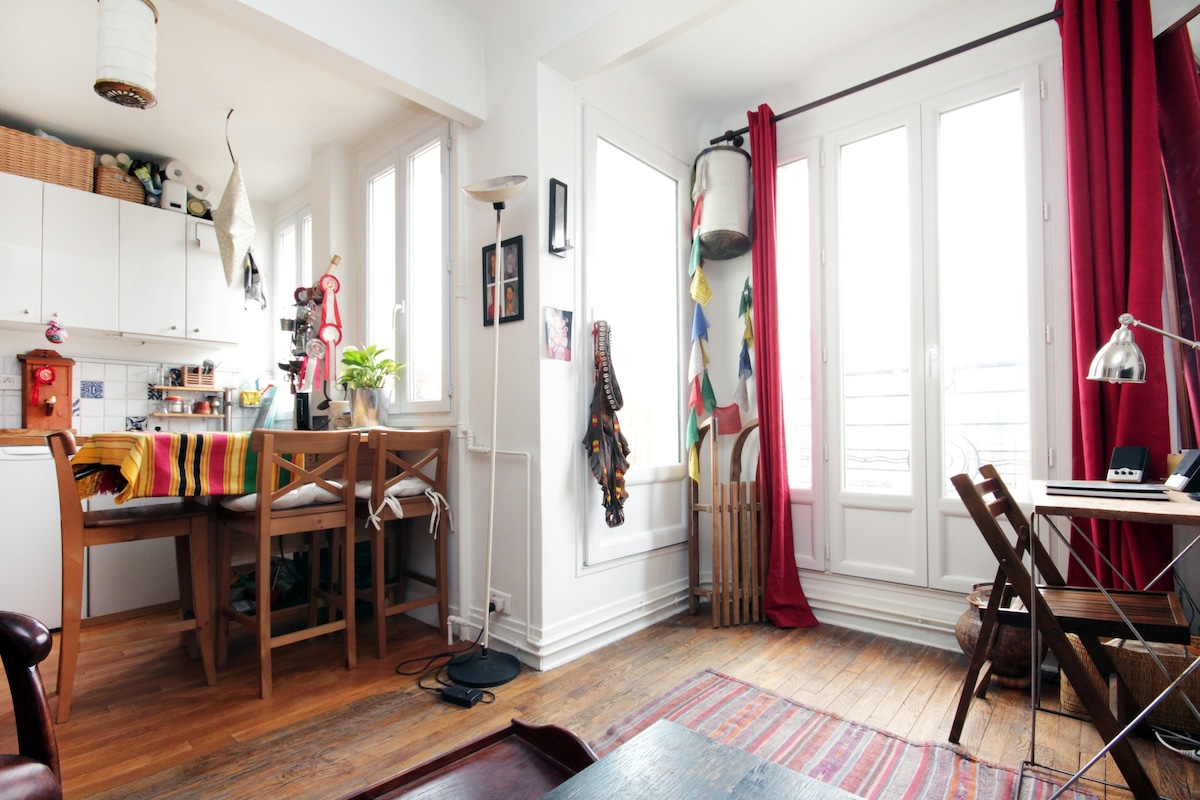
1059 610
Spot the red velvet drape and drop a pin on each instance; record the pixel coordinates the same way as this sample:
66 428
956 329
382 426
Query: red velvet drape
1115 204
783 599
1179 133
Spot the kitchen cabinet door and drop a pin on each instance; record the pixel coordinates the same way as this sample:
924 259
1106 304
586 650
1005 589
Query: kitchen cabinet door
79 258
20 248
213 306
152 272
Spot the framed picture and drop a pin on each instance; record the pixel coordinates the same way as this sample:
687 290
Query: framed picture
509 276
558 218
558 333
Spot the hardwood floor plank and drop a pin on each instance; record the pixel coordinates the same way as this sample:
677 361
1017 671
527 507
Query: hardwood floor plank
144 712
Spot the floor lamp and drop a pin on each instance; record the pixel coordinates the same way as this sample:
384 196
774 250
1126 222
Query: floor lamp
484 668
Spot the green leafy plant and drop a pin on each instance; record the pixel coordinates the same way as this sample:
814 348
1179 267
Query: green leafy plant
366 368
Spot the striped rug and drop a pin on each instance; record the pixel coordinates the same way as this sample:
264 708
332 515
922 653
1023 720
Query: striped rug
857 758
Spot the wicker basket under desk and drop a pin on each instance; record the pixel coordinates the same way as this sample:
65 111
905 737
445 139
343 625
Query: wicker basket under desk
46 160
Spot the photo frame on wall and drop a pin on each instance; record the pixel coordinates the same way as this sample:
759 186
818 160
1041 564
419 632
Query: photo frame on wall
558 244
511 280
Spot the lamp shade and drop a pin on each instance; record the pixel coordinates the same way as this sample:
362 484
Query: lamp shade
1119 361
497 190
127 52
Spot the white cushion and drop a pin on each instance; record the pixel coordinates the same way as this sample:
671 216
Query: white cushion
406 487
307 495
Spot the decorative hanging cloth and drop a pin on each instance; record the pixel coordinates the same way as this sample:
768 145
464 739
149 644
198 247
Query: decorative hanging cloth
330 331
608 451
745 370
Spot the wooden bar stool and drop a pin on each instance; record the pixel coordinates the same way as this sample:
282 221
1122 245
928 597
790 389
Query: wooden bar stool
186 521
406 495
305 485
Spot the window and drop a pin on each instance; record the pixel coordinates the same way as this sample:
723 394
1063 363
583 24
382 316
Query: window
637 209
793 275
408 306
293 269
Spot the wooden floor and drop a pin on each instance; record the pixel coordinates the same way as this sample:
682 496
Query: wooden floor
146 709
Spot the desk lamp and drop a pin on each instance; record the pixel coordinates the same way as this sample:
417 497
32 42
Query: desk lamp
1121 360
484 668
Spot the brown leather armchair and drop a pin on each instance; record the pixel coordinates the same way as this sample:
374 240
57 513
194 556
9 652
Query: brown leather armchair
34 773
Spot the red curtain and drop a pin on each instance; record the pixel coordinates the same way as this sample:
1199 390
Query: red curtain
1179 133
1114 196
783 599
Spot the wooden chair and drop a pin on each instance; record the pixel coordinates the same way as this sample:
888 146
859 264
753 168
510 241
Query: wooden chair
1059 610
187 522
407 487
33 773
305 485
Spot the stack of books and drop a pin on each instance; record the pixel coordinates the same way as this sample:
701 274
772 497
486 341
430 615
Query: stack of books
1122 491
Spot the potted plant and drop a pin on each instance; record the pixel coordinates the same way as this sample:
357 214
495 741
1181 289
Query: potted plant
365 374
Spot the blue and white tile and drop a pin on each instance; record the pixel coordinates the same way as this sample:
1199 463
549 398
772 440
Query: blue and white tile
91 389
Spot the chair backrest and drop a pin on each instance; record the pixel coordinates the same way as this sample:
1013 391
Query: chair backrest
402 456
24 643
70 507
290 461
990 499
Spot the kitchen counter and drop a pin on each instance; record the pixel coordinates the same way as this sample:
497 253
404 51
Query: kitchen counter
17 437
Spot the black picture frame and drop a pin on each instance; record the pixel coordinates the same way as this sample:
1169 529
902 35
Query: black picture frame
557 243
512 278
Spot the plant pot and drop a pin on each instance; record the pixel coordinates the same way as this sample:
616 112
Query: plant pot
1009 654
368 407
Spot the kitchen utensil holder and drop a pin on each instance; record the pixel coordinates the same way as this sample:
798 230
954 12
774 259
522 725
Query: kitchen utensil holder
196 378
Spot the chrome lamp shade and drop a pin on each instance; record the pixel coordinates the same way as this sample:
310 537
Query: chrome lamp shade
1120 360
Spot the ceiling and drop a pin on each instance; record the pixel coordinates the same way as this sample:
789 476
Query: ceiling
288 103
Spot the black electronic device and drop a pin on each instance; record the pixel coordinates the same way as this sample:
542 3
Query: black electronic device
463 696
1186 477
1128 464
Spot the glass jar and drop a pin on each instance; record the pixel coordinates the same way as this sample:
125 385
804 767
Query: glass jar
173 404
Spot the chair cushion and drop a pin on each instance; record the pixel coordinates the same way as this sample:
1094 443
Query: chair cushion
407 487
309 494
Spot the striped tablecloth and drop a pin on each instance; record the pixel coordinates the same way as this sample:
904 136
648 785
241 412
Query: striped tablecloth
167 464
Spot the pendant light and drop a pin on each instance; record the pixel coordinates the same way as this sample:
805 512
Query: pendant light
125 58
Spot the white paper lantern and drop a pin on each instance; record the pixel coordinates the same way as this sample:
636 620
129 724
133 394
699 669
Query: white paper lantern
722 176
125 58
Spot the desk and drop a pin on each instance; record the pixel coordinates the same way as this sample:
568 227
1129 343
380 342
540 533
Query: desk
669 762
169 464
1179 509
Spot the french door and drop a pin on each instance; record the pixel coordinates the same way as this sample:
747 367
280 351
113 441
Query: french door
934 302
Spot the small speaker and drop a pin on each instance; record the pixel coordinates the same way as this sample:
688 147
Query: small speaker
1128 464
1186 477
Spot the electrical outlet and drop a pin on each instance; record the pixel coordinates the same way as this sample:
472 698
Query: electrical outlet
502 602
10 381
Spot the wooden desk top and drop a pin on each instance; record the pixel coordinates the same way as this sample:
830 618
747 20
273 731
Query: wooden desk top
669 762
1178 510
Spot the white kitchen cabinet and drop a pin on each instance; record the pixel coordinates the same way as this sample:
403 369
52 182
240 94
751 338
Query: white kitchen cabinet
153 267
212 304
20 248
80 248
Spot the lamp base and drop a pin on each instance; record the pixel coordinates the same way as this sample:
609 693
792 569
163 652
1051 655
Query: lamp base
484 668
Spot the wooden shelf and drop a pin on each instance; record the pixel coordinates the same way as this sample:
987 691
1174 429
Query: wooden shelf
185 414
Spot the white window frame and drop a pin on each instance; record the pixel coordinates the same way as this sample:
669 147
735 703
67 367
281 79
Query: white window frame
398 159
656 511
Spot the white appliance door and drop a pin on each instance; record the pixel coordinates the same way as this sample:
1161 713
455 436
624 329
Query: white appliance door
30 539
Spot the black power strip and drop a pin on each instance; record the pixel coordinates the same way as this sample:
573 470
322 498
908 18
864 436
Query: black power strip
461 695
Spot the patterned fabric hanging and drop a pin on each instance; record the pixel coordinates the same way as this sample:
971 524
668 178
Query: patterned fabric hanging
745 370
608 451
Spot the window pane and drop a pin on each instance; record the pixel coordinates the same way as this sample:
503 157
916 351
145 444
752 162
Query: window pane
984 277
634 285
381 258
283 291
792 283
426 301
873 246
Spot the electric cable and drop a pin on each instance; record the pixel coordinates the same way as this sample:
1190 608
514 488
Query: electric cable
435 666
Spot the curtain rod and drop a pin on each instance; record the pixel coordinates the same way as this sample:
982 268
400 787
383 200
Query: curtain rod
730 136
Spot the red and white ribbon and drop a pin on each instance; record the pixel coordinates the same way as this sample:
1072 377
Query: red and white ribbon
41 376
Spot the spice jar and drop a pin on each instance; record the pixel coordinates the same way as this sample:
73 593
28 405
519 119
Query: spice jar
174 404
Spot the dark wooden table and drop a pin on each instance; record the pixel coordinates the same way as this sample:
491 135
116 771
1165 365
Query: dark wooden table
669 762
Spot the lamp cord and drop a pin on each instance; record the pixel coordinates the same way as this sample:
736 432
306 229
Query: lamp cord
227 144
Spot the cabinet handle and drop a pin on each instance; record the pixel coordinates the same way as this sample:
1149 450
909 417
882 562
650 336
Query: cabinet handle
174 327
27 311
195 330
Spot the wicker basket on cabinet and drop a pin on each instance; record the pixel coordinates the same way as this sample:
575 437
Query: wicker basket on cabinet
114 182
45 160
